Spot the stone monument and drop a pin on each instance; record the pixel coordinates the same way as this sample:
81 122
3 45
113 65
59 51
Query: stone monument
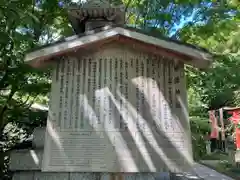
118 101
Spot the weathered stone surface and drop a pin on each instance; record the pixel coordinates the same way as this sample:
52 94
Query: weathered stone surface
38 137
89 127
26 160
199 172
51 176
34 175
23 176
123 176
86 176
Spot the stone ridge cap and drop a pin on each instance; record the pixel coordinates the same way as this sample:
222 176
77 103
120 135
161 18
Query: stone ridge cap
108 27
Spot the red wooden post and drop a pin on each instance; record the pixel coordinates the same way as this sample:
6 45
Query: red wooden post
235 118
214 127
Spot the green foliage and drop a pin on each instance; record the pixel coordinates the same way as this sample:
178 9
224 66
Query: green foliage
24 25
220 35
199 128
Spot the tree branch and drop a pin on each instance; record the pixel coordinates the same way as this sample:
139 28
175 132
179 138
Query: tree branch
4 108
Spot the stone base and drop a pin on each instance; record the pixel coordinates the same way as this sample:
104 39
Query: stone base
35 175
26 165
26 160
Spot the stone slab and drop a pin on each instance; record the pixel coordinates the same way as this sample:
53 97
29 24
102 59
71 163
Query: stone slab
88 176
38 137
37 175
25 160
123 176
51 176
23 176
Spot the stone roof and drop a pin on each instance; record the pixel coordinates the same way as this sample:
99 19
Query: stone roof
154 42
153 34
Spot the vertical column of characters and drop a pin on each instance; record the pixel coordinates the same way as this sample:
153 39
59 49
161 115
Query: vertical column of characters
138 92
161 98
77 94
132 86
100 85
146 95
72 92
82 95
183 91
167 86
148 74
170 95
62 90
177 84
90 92
154 91
175 93
157 92
85 104
115 94
104 100
121 90
66 94
106 75
142 80
107 96
144 89
112 89
126 89
165 95
57 94
170 81
178 98
94 88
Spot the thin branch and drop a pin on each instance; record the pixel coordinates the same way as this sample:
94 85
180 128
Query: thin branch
24 103
128 4
4 108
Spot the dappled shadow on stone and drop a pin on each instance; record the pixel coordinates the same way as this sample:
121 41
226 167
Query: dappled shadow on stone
122 133
161 149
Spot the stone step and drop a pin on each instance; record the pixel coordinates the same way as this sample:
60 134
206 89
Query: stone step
25 160
38 137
